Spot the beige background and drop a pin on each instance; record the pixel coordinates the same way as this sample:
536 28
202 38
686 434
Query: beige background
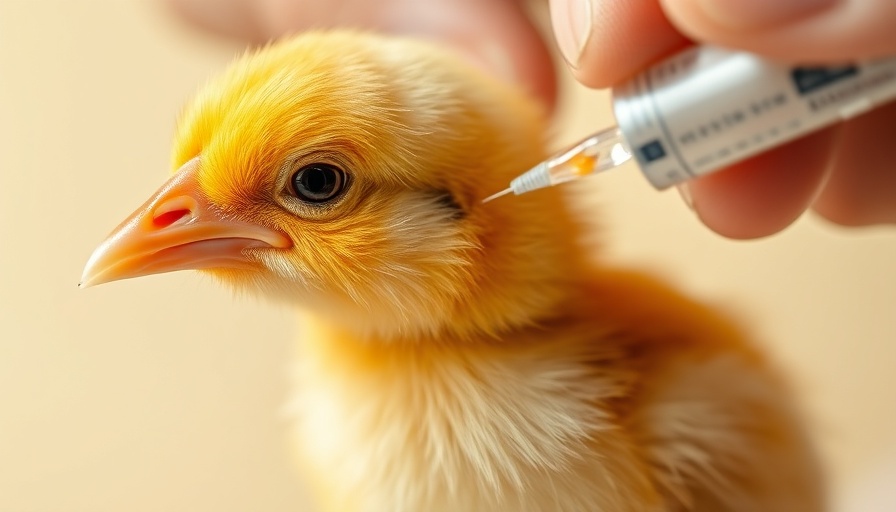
163 393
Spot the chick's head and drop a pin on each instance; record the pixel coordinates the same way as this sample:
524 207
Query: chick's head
345 172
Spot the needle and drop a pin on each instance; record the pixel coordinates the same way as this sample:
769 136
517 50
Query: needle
499 194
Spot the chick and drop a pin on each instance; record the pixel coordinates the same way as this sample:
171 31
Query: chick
454 355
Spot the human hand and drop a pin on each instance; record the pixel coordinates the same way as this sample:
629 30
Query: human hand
844 173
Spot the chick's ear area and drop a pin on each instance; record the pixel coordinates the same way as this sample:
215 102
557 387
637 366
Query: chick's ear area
448 201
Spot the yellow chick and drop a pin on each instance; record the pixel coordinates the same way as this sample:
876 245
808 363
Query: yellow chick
454 355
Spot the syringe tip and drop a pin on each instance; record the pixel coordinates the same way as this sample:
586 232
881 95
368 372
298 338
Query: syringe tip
499 194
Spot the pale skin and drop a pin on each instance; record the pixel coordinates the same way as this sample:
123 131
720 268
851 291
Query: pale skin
843 173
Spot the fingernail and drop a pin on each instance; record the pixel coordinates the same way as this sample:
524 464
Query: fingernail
684 190
572 21
759 13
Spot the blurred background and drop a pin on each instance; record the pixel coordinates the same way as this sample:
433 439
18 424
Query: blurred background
164 393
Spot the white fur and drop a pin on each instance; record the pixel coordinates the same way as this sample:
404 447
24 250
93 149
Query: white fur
501 429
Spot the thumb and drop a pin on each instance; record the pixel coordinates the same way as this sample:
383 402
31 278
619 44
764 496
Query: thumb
794 30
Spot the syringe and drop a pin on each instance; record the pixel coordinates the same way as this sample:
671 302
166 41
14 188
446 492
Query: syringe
707 107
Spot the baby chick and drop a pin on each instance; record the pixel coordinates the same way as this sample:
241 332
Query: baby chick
454 356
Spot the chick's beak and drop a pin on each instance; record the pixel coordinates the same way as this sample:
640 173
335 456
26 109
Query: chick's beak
177 229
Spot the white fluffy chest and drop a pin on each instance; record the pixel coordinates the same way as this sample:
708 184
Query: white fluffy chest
474 429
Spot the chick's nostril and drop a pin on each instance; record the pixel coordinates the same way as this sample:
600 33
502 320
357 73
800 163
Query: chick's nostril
173 210
170 217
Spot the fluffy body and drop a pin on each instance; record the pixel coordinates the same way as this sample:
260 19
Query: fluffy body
459 356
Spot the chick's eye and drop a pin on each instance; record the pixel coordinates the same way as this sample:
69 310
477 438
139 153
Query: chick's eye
317 183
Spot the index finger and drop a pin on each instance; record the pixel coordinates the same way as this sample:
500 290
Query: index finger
615 40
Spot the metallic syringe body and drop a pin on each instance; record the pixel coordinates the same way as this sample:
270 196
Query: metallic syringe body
707 107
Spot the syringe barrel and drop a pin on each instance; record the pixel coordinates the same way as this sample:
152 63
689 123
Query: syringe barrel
708 107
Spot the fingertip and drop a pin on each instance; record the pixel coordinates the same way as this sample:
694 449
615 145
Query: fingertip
765 194
618 39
